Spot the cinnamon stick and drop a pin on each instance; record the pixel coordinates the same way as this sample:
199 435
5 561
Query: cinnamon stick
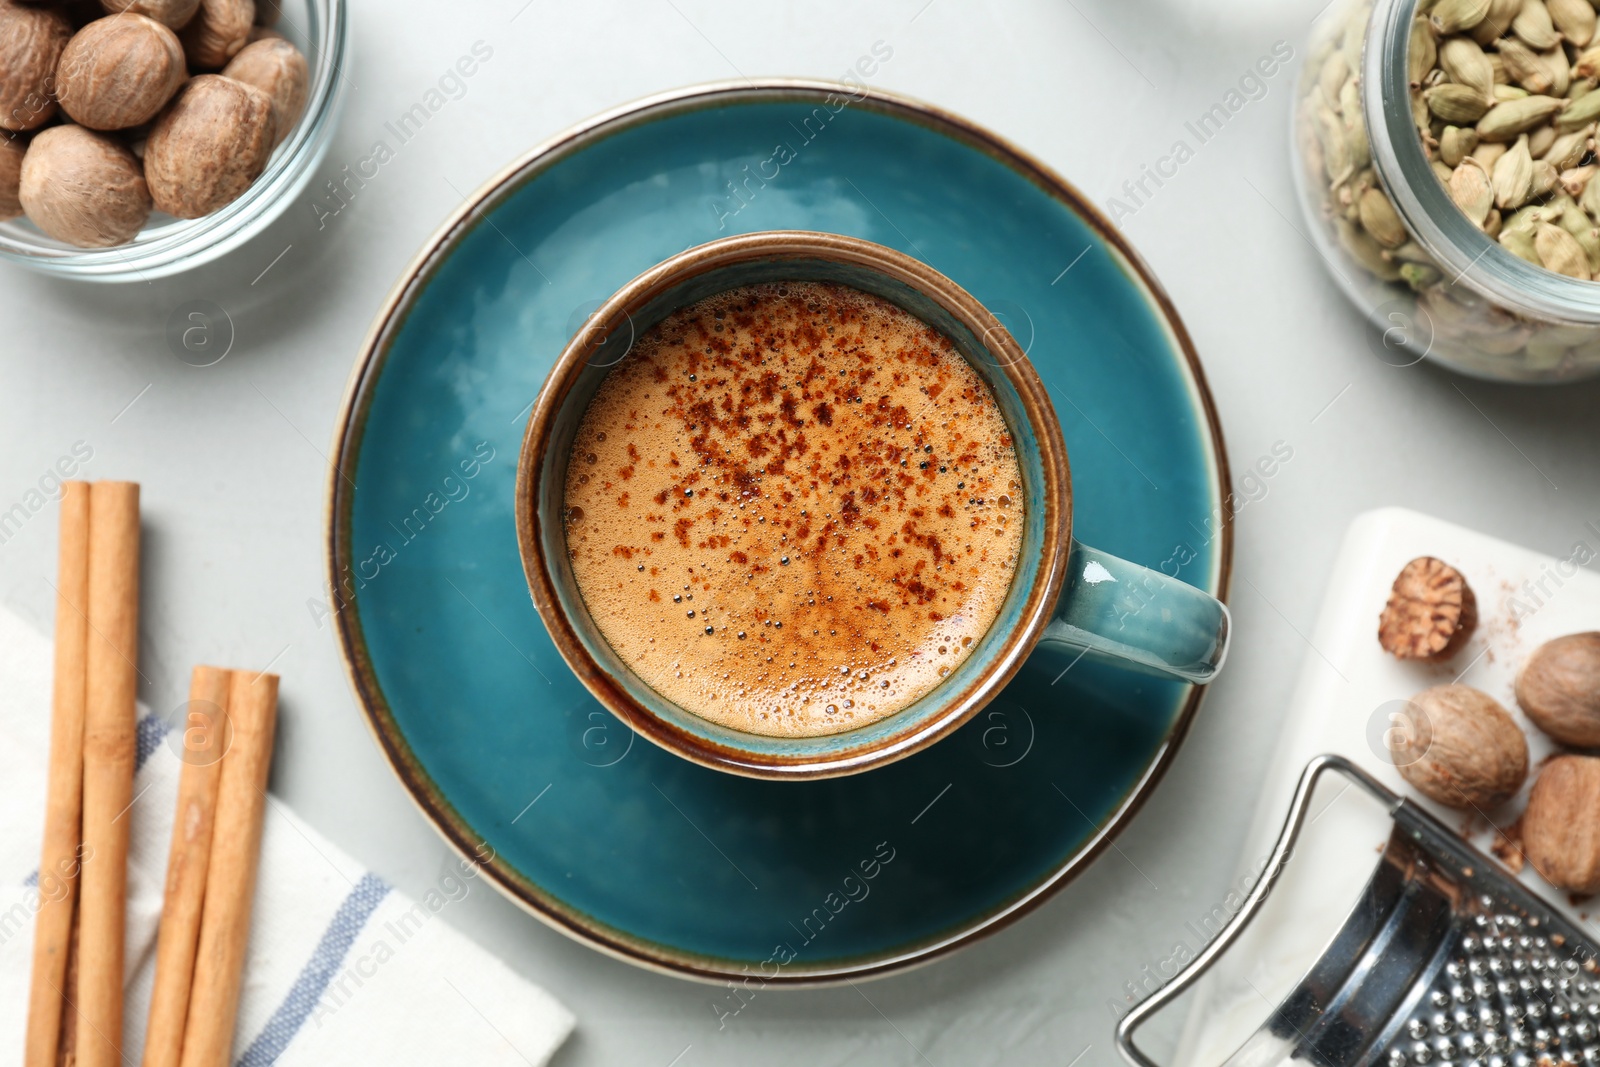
108 765
231 875
205 739
60 859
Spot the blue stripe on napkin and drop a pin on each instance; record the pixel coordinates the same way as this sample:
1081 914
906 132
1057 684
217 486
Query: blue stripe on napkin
148 736
313 980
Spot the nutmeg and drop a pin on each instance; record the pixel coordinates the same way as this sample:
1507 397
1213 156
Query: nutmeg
31 40
208 146
1561 828
12 149
119 71
1465 749
1559 689
1431 611
174 14
217 32
83 188
277 68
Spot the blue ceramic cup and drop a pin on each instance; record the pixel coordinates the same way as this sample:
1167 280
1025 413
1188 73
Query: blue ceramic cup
1063 591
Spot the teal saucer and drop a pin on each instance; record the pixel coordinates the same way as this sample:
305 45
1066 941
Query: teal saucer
636 851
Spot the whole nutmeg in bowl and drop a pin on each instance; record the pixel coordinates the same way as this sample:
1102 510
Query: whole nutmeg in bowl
208 146
277 68
1463 750
1559 689
119 71
11 153
1561 828
31 40
174 14
218 31
83 187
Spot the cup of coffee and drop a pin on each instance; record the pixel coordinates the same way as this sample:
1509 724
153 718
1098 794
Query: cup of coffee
794 505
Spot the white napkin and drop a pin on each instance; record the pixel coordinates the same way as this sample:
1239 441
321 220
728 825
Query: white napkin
341 969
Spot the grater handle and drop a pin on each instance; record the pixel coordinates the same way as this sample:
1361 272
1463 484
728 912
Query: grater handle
1292 825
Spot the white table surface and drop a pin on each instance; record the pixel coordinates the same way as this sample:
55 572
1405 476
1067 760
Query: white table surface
232 456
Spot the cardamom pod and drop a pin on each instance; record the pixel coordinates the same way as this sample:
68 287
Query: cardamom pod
1589 199
1545 179
1510 342
1574 18
1360 146
1421 117
1587 65
1410 252
1507 119
1520 243
1560 251
1525 219
1456 104
1456 143
1420 58
1442 172
1558 204
1334 72
1335 148
1573 220
1350 103
1503 93
1579 87
1576 179
1492 223
1560 69
1525 67
1540 139
1568 149
1367 252
1355 34
1472 190
1464 61
1542 353
1568 335
1418 275
1497 21
1453 16
1488 154
1513 177
1379 218
1534 26
1589 239
1579 112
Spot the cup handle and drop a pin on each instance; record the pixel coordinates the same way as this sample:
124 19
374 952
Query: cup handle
1126 612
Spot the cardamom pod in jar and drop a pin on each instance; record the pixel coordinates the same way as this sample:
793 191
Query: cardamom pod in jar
1445 154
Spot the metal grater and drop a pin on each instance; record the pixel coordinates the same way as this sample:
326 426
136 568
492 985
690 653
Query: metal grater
1445 961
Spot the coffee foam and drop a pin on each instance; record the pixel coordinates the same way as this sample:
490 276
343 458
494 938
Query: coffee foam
793 508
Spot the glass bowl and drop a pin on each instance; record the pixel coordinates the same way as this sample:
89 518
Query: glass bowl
166 245
1443 289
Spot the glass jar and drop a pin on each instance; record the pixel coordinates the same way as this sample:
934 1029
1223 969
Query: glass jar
166 245
1434 284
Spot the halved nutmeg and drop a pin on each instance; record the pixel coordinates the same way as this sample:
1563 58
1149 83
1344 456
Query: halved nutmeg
1431 611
